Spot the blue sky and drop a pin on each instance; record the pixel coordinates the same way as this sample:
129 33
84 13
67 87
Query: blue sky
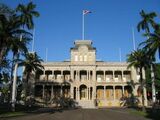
109 25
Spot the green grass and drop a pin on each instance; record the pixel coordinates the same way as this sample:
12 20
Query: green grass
139 113
21 110
12 114
148 114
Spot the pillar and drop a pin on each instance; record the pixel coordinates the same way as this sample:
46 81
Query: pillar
71 91
122 90
43 92
89 93
51 91
122 75
72 74
53 75
93 92
61 75
61 92
78 75
104 93
87 75
114 93
77 93
113 76
104 77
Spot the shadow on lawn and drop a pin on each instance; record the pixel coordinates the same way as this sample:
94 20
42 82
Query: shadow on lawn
61 104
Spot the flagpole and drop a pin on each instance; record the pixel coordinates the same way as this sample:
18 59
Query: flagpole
83 25
134 44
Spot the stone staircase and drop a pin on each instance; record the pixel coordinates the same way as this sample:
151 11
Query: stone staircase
86 104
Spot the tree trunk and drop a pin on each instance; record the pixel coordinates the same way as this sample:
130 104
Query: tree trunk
142 91
14 87
153 85
25 86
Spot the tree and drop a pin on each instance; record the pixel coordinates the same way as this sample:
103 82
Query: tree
31 64
147 21
15 25
140 61
26 14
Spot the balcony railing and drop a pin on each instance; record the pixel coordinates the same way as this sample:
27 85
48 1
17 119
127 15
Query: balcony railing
54 78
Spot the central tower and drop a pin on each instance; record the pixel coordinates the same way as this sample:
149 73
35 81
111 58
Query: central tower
83 51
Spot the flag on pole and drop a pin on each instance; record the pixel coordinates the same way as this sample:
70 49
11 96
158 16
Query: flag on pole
86 12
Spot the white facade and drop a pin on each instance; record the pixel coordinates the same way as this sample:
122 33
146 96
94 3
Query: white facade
88 82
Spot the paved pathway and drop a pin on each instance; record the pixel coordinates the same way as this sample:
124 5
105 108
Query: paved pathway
82 114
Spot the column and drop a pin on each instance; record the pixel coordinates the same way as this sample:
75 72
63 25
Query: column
104 77
94 75
62 75
43 92
52 92
104 93
93 92
44 75
122 91
72 74
87 74
61 92
113 75
89 93
75 74
53 75
122 75
78 94
114 93
71 91
79 75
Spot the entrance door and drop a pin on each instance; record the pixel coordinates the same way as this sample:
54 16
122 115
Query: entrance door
83 92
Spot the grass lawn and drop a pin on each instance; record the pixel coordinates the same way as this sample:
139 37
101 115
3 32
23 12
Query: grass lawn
12 114
155 115
5 110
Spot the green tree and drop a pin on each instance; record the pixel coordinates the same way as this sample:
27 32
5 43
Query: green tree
145 24
140 61
27 12
31 64
147 20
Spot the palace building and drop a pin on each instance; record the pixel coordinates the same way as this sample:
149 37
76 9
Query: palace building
88 82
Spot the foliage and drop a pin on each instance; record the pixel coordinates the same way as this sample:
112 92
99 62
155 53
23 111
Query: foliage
15 27
157 77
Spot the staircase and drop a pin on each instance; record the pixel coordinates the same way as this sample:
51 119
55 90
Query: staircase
86 104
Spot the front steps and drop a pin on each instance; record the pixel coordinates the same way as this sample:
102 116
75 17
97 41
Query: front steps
86 103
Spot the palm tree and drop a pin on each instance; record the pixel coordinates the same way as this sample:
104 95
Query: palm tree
31 64
140 61
27 13
147 21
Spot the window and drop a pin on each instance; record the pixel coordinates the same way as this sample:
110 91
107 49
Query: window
80 57
76 58
85 58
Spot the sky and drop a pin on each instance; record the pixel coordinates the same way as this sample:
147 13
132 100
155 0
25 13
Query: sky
109 26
